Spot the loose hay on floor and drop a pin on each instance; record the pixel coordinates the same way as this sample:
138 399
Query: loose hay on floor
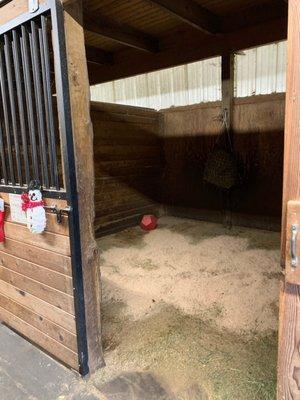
195 304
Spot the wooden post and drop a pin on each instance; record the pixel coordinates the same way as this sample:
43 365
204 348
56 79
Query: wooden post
227 118
228 85
84 157
289 330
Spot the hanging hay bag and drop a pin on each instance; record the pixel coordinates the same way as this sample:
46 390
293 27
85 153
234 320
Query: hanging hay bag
221 169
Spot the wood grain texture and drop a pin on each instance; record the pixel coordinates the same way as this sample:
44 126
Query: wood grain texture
53 347
185 47
289 356
51 225
289 344
46 240
128 164
190 134
54 314
41 274
40 322
48 294
291 181
13 10
46 258
292 275
36 289
83 149
48 201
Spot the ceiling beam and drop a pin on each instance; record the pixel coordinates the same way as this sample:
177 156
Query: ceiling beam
189 48
99 56
192 13
254 15
121 33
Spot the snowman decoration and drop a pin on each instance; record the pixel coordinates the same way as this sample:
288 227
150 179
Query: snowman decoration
33 205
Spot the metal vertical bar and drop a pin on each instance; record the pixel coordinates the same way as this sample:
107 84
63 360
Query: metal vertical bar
29 102
44 48
64 111
16 60
2 152
33 39
13 111
6 119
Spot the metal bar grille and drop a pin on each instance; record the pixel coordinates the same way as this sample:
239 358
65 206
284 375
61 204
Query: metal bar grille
29 138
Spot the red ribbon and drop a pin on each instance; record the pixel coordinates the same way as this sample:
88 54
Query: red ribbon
26 203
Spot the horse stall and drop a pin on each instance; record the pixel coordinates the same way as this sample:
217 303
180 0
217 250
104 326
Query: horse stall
190 309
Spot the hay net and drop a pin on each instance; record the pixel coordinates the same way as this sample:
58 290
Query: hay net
222 166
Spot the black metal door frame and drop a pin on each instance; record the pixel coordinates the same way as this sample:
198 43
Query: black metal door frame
54 7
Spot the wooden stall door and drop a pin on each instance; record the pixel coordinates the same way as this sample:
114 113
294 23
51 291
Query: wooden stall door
289 324
49 283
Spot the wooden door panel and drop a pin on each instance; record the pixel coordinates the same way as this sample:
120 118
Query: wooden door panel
292 272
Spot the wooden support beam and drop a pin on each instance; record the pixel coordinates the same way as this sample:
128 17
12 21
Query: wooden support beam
84 157
121 33
227 75
228 86
99 56
192 13
254 15
289 329
189 49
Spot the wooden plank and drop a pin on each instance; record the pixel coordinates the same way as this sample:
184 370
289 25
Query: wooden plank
46 240
50 278
192 13
55 348
291 181
48 202
289 359
52 296
41 323
52 225
38 306
121 33
289 344
129 118
188 48
228 86
257 14
292 274
117 152
48 259
13 10
83 148
99 56
122 109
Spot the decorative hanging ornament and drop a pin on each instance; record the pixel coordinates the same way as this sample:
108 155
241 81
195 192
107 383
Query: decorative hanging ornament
33 205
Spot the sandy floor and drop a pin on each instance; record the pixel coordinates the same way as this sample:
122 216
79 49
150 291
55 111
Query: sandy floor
194 305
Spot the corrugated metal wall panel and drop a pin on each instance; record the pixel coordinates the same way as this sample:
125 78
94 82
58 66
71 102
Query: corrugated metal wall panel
257 71
261 70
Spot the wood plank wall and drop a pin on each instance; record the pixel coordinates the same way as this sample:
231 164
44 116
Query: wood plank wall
36 290
128 165
189 135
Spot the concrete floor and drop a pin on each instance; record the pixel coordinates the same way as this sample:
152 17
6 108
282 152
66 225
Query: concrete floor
26 373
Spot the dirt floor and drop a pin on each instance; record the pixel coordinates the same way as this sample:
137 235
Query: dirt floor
190 310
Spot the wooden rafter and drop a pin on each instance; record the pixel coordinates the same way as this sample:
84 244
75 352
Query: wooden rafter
99 56
189 49
121 33
192 13
254 15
